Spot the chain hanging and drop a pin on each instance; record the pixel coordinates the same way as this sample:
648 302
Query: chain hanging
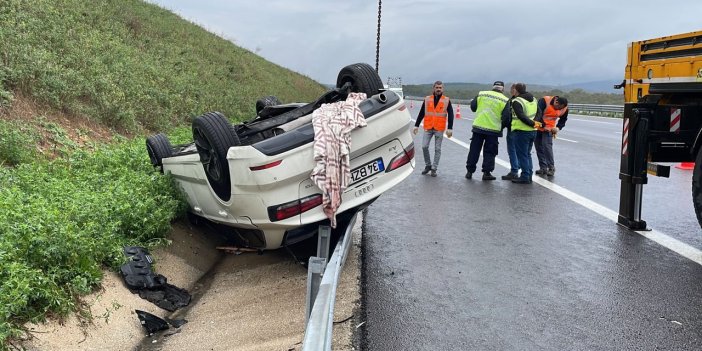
377 45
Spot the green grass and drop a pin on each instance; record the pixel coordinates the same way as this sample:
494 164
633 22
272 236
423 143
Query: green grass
132 65
66 214
61 221
17 143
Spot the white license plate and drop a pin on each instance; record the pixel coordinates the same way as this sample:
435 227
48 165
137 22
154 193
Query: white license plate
367 170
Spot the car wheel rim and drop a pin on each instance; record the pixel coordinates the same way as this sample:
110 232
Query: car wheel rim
152 155
208 156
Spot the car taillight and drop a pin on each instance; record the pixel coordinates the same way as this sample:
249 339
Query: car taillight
266 166
294 208
401 159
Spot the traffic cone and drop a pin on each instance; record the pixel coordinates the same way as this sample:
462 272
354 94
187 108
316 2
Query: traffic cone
458 112
686 165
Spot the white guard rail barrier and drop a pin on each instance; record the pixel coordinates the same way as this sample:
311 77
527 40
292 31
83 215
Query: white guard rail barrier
614 110
318 332
588 108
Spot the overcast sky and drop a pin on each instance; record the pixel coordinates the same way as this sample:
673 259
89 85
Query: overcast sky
537 41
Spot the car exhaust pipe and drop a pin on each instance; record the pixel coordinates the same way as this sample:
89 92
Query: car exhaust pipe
382 98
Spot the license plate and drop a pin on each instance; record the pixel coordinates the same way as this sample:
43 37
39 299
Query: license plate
367 170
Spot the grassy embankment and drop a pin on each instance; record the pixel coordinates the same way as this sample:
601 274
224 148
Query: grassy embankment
71 197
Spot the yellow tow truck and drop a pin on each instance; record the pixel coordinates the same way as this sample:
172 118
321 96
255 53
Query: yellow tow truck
662 118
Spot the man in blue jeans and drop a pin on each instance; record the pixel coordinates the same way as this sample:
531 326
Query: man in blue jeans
511 151
522 133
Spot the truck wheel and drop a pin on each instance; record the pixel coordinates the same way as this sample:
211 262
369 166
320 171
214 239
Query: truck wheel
363 79
214 135
266 101
158 148
697 187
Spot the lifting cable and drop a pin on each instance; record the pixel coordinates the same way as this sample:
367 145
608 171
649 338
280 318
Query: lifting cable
377 45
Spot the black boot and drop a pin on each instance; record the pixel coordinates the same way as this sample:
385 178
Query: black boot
488 176
521 181
509 176
426 170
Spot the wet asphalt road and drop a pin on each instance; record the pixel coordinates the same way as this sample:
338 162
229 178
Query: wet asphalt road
456 264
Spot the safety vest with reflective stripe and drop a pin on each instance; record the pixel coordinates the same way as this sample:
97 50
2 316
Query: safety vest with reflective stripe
435 116
489 114
551 115
529 110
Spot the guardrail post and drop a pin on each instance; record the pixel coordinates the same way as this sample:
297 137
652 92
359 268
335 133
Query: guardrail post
315 268
321 292
323 239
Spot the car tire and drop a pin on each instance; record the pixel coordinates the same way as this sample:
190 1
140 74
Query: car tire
697 187
214 135
266 101
363 79
159 147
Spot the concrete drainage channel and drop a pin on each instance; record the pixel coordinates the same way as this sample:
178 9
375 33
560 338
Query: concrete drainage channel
261 302
157 341
239 302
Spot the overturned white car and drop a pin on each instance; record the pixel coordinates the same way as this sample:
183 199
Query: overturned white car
253 179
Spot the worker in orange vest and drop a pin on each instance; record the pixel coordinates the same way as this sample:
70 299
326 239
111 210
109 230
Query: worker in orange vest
553 112
436 112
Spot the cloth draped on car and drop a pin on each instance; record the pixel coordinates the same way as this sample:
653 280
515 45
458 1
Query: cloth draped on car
333 124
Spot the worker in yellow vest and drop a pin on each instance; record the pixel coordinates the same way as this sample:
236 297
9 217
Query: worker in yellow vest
523 126
553 112
487 127
436 112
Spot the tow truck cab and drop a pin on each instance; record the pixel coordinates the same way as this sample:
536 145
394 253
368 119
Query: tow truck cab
662 117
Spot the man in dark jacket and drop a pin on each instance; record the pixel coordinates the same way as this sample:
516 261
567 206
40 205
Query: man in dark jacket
523 125
487 127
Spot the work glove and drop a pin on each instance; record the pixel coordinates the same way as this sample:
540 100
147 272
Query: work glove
554 130
449 133
538 124
415 130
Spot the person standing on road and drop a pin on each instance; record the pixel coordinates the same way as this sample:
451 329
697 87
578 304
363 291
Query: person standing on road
437 112
550 109
487 127
523 125
511 151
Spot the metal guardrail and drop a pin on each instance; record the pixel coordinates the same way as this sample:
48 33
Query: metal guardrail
322 294
589 108
616 110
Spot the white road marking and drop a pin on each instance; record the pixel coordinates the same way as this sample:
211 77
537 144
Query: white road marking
660 238
564 139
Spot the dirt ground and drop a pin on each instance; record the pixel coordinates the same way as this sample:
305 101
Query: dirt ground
240 302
